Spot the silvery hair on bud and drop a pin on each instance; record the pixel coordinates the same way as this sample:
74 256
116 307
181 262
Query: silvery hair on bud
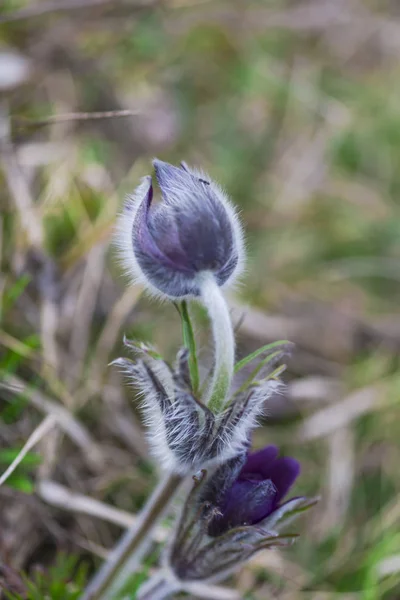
184 434
193 230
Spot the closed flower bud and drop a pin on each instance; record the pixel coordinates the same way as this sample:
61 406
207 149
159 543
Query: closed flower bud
193 231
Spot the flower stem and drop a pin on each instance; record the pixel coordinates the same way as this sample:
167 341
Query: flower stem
161 586
158 587
224 343
190 343
126 555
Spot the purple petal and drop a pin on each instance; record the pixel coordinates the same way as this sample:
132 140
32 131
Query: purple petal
258 463
143 239
283 472
201 221
164 230
171 179
247 502
190 231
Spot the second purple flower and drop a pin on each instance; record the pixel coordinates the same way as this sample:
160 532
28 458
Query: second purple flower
262 483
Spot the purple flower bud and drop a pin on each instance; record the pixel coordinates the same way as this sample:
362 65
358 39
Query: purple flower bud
235 513
193 230
257 491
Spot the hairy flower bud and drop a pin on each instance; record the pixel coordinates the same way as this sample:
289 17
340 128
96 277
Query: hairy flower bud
193 231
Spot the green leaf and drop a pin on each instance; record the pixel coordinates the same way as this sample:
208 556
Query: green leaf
247 359
9 454
286 513
13 410
20 483
12 294
142 348
278 541
276 373
65 580
18 480
269 359
190 343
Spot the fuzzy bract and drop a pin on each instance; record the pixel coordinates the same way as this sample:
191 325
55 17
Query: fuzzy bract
184 435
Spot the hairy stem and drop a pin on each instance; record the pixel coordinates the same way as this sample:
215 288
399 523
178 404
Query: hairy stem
158 587
161 587
127 554
224 343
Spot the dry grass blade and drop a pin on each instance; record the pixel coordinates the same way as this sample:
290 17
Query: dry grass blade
84 309
33 225
60 496
212 592
314 389
18 187
71 426
46 8
341 414
109 335
78 116
120 419
49 321
340 480
389 566
45 426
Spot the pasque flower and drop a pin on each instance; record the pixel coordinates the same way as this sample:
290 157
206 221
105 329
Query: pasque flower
193 231
262 483
190 245
233 514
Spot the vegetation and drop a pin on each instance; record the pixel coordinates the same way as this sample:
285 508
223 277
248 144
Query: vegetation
294 107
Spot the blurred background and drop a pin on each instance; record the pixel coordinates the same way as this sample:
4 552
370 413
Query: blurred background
294 107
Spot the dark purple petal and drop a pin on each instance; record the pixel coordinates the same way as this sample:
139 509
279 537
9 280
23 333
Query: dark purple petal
258 463
204 229
248 493
168 273
192 230
246 503
164 229
201 220
172 180
283 472
143 240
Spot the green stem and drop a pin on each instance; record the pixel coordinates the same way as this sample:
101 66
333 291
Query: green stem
224 343
190 344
